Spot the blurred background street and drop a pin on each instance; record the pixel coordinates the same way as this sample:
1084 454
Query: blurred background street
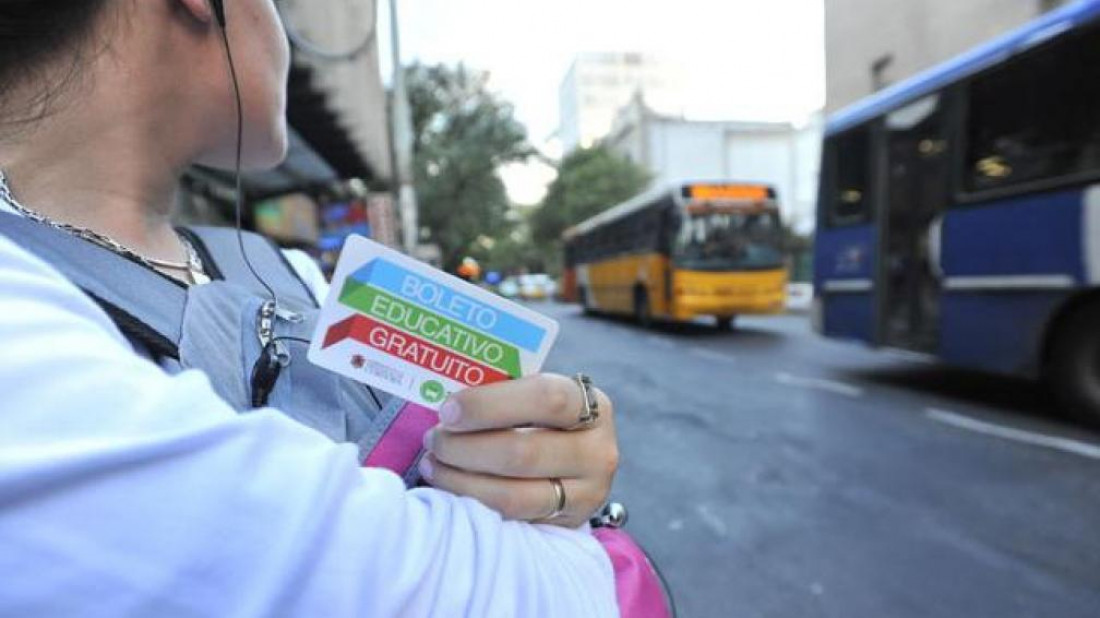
774 473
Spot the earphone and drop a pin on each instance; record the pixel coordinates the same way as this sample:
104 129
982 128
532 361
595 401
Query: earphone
274 356
218 6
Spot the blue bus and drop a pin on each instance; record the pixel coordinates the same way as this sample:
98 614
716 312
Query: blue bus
959 213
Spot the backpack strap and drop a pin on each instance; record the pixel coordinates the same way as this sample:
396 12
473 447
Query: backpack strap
146 306
223 247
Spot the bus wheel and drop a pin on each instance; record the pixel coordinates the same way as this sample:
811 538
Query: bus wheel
725 322
1073 369
642 313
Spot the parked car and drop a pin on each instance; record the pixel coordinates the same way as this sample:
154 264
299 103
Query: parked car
509 288
539 286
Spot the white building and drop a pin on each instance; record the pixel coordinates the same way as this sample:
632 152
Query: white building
674 149
870 44
597 85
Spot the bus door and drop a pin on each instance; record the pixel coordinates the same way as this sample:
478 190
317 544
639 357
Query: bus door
918 176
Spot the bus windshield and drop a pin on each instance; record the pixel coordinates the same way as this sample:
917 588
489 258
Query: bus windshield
730 241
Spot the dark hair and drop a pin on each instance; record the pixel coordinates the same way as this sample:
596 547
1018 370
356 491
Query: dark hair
33 32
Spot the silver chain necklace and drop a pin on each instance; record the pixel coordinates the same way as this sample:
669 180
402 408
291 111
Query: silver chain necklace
193 266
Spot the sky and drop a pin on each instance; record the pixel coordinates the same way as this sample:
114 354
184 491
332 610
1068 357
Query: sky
745 59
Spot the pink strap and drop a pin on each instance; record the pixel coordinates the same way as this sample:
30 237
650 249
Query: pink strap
401 444
637 585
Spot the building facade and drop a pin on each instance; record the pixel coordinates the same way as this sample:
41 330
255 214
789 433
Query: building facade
870 44
675 149
597 85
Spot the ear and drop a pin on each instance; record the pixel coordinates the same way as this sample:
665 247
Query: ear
202 10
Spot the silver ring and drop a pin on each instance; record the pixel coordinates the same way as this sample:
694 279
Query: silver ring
591 412
559 501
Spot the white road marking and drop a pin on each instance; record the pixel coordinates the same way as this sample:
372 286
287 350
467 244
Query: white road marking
712 521
1084 449
661 341
832 386
710 355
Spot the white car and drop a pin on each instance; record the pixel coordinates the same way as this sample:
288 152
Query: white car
536 286
509 288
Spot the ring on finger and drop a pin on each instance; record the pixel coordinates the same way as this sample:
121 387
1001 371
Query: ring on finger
591 411
559 501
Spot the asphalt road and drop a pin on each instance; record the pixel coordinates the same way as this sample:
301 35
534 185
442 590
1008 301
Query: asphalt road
775 473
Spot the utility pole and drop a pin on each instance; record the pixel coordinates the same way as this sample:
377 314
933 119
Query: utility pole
403 143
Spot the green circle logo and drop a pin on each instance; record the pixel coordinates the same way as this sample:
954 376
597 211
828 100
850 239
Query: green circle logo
432 391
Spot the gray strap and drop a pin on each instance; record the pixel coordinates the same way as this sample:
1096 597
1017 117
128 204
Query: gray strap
140 293
223 246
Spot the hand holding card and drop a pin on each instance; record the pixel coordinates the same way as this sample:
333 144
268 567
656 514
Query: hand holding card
427 337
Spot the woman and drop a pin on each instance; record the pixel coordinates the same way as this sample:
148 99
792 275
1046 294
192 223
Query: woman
128 489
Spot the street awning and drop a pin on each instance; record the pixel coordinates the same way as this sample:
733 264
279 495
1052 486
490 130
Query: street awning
321 128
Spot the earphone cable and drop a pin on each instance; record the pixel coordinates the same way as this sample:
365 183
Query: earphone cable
239 198
240 193
302 340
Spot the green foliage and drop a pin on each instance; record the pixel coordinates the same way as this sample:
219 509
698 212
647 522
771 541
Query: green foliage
590 180
512 254
462 134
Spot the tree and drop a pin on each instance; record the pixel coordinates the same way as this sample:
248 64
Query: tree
590 180
462 134
512 254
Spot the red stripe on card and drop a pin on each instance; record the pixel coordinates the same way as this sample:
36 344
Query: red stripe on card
410 349
339 332
400 446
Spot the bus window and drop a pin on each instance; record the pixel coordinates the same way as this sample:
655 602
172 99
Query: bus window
850 200
1037 118
725 241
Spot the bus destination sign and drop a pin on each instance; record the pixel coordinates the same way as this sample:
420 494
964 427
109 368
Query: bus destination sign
727 192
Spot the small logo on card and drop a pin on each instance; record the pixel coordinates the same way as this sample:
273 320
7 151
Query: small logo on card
432 391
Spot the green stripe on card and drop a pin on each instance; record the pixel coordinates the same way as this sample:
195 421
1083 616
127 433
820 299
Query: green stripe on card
430 326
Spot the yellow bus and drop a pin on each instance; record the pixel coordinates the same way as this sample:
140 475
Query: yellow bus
679 252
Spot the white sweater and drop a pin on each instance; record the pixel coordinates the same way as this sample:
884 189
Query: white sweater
128 492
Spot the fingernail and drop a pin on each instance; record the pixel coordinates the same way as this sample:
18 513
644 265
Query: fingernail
425 468
449 412
429 439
